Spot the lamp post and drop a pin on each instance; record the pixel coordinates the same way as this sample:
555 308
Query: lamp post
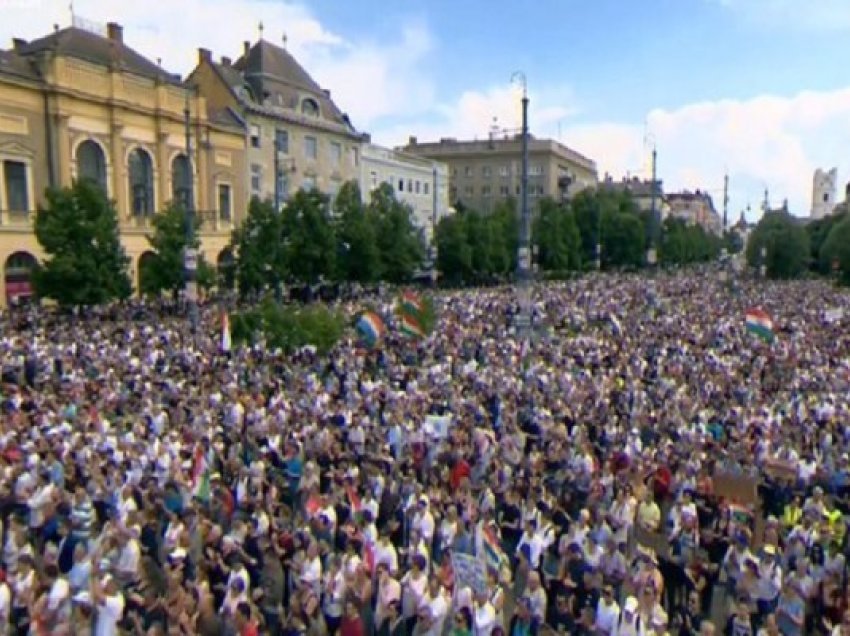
523 322
190 255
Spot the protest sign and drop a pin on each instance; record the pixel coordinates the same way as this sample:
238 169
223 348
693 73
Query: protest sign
469 572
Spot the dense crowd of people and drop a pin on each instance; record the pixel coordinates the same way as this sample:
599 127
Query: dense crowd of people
155 484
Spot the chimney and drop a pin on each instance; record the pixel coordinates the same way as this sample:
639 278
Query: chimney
18 44
226 61
246 46
204 55
411 141
115 32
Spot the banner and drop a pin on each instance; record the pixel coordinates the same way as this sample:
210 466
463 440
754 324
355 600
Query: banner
469 572
833 315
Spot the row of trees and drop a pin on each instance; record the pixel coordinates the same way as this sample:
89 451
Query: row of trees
788 248
595 225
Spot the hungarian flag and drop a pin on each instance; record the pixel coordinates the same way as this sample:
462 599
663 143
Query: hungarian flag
200 475
411 328
494 556
760 323
225 332
411 304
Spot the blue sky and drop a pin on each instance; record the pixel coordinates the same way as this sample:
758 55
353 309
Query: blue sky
755 87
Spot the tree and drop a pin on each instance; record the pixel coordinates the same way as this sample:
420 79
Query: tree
165 272
308 235
818 231
86 264
454 255
357 250
786 244
623 239
258 250
836 250
557 237
400 245
683 243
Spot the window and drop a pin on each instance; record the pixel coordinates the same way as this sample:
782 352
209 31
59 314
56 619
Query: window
535 171
282 185
454 171
91 163
141 182
311 148
425 187
255 136
355 157
256 177
373 179
401 185
308 184
310 107
224 201
416 187
281 141
485 191
826 197
504 171
410 185
504 191
486 172
467 172
468 191
181 181
17 188
336 154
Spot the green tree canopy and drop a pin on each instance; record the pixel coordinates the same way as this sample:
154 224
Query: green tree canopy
454 254
308 236
86 263
400 244
836 249
557 236
258 250
357 251
818 231
683 243
786 244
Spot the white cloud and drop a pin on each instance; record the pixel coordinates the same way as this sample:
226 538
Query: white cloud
809 15
368 79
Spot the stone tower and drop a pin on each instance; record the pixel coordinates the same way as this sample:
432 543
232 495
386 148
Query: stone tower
824 193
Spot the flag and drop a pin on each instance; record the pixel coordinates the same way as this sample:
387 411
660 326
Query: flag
410 327
411 305
494 556
371 327
760 323
225 332
353 499
200 475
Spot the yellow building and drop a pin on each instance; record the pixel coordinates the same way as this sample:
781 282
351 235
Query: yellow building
78 103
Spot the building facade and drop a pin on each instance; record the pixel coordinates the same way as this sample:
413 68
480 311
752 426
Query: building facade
482 173
824 191
296 137
421 183
641 191
82 104
695 208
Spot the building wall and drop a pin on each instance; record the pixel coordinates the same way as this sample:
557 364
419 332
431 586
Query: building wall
482 173
413 179
824 189
119 113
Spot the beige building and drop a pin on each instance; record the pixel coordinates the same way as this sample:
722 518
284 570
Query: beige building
421 183
481 173
296 136
641 193
81 103
695 208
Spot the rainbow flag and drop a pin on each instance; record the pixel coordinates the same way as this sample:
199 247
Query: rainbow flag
494 556
410 327
760 323
371 327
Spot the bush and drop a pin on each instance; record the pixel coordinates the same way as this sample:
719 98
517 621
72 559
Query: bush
289 328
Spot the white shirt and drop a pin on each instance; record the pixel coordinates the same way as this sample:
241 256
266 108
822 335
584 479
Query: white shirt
485 620
128 560
438 609
606 616
108 614
5 604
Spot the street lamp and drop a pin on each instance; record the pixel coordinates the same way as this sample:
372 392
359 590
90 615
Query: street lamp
190 254
523 322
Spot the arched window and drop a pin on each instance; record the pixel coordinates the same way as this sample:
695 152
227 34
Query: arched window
310 107
181 181
91 163
141 182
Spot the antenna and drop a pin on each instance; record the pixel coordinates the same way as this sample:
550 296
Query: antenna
284 41
71 10
260 29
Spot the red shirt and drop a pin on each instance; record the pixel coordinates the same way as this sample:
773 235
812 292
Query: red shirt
460 471
250 630
351 626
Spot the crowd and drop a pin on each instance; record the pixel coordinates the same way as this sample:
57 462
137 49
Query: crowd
154 484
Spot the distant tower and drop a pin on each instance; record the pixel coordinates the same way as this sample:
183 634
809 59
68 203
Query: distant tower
823 193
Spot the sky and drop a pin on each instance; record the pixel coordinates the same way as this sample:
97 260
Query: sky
756 89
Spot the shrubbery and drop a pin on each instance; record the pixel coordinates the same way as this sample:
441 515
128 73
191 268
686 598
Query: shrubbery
289 328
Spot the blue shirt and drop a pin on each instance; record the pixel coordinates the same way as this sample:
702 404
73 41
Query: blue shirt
792 606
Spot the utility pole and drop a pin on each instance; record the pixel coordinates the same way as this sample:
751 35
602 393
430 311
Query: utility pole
190 257
656 222
524 252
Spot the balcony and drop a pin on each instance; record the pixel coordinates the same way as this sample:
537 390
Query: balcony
17 219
